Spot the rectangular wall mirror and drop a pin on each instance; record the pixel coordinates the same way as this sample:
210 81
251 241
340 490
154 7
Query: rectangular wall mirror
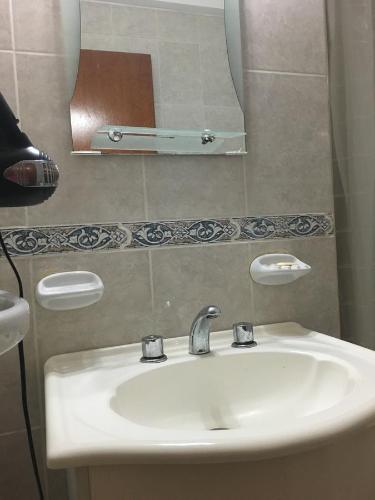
155 77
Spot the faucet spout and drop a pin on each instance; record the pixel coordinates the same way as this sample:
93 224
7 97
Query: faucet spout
199 339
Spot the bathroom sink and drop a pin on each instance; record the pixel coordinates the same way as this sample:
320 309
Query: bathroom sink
14 320
234 392
296 390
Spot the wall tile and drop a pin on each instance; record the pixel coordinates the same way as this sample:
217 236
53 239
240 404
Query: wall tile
16 478
312 300
103 189
8 88
37 25
9 216
194 187
218 88
180 80
5 27
44 100
229 118
110 191
289 160
122 316
211 31
96 18
183 116
287 35
92 41
134 21
174 26
11 416
187 279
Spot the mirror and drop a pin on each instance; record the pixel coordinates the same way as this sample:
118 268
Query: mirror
154 77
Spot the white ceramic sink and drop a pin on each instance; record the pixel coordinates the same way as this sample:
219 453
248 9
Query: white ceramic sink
14 320
296 390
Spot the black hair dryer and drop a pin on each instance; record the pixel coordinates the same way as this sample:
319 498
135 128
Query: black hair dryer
27 176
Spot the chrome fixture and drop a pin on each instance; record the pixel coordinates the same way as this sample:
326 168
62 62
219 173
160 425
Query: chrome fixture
208 136
199 340
153 349
243 335
115 135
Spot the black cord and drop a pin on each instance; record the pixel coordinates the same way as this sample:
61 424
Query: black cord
23 379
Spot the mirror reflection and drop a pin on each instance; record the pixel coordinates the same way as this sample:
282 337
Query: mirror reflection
154 77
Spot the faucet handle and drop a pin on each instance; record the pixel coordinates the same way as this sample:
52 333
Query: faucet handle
243 335
153 349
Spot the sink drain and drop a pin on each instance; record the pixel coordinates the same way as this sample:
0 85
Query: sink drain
220 429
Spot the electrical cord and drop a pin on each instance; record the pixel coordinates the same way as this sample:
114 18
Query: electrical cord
23 379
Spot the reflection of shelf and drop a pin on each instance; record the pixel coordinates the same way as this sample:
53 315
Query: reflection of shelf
116 137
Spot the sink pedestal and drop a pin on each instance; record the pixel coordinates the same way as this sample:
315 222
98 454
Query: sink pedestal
343 470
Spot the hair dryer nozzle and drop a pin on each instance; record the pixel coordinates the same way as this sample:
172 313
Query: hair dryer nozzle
33 173
22 166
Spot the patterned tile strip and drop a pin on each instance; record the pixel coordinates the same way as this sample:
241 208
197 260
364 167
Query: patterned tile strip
118 236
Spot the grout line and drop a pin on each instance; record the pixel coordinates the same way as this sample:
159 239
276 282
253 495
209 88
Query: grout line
160 96
145 194
30 53
35 336
13 52
286 73
181 9
39 369
151 285
12 34
112 34
252 286
245 186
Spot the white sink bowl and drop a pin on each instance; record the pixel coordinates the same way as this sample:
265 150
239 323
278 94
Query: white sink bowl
246 392
296 390
14 320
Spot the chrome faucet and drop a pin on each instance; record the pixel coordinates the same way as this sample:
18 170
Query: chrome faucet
199 340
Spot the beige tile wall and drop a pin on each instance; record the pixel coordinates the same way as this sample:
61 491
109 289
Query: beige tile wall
287 170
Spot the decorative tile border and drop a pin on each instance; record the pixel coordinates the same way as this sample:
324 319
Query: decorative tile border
119 236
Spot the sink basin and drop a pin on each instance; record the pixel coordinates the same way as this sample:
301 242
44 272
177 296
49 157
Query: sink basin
296 390
234 392
14 320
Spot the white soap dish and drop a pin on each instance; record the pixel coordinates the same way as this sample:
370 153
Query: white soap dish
277 269
71 290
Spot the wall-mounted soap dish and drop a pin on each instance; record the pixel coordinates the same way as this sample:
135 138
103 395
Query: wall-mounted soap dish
72 290
277 269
